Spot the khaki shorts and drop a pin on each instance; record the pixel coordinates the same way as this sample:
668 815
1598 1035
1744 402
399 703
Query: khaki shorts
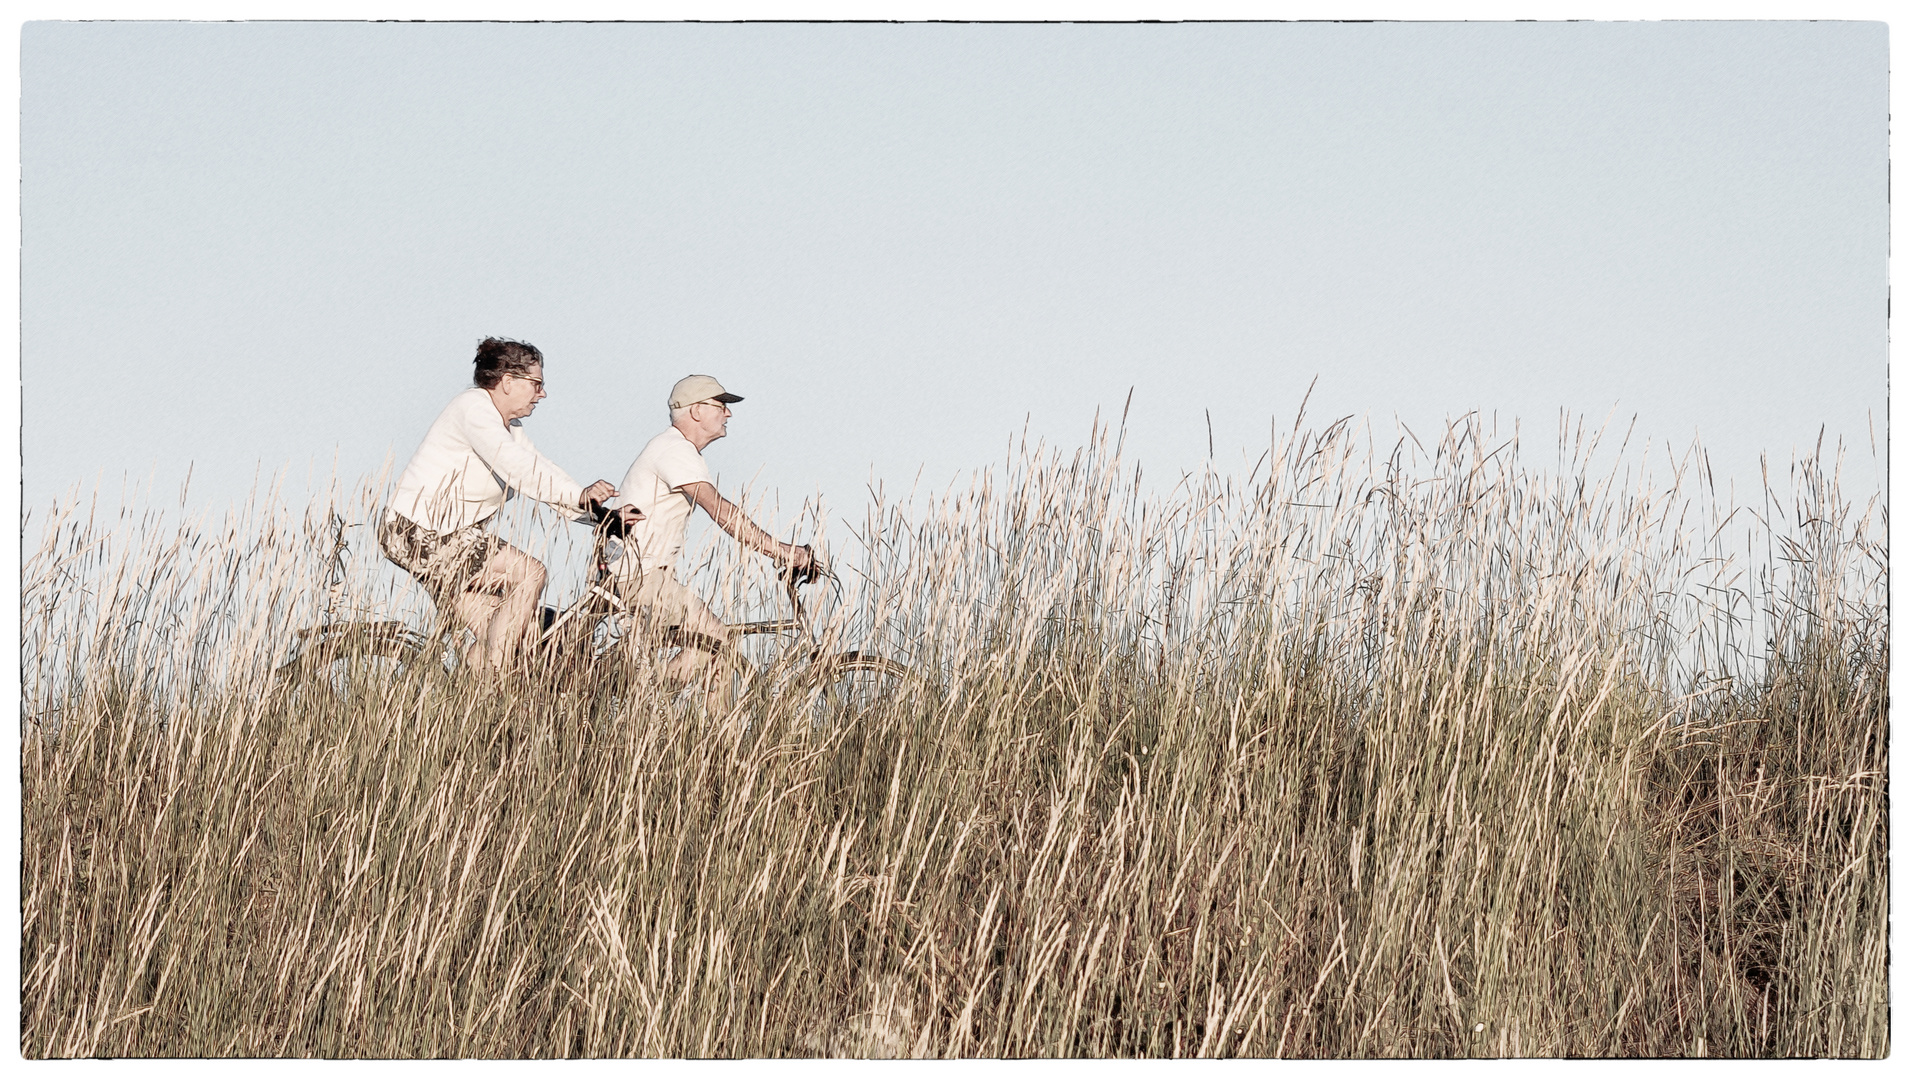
664 602
444 563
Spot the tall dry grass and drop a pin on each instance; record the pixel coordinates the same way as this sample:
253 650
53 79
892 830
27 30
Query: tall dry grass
1372 752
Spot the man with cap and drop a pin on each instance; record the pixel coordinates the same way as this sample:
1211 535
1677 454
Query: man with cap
669 479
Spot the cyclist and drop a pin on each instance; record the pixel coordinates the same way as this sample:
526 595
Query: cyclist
440 526
667 480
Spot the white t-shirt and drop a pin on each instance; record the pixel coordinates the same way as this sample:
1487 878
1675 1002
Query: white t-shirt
655 486
469 461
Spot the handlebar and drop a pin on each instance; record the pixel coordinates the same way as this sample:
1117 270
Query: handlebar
605 519
807 574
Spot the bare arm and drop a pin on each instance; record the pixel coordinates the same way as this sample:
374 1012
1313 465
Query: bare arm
730 518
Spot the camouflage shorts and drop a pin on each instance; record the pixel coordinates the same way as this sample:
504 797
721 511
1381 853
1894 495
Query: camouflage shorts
444 563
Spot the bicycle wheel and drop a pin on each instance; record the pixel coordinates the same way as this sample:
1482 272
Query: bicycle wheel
344 661
842 687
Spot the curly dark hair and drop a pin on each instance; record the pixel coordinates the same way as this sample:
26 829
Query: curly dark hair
498 357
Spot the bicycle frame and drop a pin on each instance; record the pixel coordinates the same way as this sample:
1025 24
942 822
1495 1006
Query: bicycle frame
599 594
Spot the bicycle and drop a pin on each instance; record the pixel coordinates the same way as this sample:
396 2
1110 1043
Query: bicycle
579 644
329 656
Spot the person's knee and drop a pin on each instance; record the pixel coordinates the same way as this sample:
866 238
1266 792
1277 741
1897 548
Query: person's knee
518 571
697 618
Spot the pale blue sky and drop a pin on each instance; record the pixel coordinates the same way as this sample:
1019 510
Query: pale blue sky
254 246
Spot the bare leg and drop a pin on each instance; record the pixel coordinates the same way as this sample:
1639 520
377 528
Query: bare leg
476 610
684 610
514 583
692 665
687 666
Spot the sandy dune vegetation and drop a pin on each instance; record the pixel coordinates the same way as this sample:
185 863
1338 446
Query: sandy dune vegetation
1371 749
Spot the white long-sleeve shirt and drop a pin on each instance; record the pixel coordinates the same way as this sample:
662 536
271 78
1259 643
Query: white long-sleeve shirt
470 462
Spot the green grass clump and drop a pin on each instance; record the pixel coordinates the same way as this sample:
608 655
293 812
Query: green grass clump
1420 754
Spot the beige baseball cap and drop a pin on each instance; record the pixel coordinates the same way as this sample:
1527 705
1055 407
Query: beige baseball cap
695 388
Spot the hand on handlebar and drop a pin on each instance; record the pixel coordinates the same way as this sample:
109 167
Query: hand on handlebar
614 522
803 565
600 491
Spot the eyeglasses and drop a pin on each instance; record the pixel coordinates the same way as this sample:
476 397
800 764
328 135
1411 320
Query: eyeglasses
539 383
